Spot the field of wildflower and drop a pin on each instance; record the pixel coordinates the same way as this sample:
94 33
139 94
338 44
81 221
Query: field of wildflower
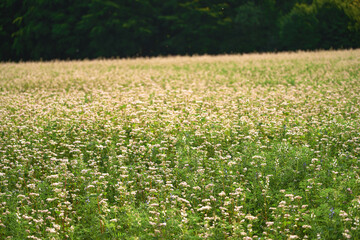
259 146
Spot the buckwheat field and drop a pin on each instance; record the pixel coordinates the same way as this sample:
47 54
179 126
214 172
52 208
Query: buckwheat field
259 146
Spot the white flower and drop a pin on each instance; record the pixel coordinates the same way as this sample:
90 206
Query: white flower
204 208
184 184
306 226
268 224
222 194
50 230
250 217
293 237
343 213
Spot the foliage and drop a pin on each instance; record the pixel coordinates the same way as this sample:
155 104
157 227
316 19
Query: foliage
323 24
299 29
43 29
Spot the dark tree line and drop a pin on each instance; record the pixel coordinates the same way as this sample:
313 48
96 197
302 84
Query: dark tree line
77 29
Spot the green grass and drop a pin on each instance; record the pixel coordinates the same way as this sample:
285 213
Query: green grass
228 147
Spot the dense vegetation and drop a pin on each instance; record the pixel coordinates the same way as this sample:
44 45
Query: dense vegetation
77 29
237 147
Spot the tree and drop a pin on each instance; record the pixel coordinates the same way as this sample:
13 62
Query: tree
77 29
10 17
46 30
333 24
299 29
254 27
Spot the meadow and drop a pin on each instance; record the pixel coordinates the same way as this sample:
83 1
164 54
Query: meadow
258 146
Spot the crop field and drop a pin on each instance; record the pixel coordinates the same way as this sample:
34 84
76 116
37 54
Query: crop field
258 146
